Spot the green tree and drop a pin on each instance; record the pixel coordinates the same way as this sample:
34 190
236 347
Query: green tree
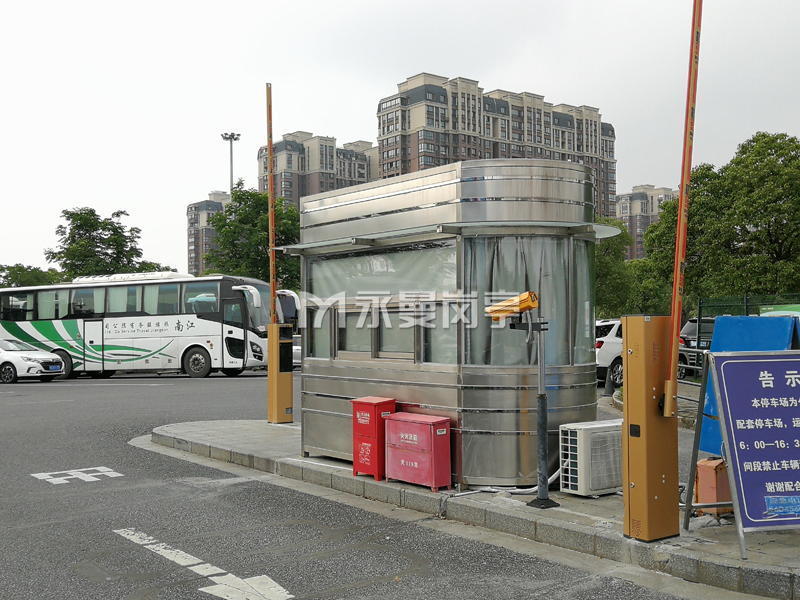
648 292
242 238
744 223
20 275
611 277
89 244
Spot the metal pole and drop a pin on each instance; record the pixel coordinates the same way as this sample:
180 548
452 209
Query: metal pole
679 265
230 141
273 278
542 499
698 426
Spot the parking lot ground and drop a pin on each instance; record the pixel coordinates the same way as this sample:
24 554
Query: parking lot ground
85 514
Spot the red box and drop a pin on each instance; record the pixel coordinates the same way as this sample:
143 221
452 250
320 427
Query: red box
369 434
418 449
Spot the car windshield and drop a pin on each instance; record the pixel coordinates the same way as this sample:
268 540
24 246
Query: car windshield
16 346
690 329
602 331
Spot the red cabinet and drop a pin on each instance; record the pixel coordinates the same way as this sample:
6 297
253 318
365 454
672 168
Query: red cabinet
418 449
369 434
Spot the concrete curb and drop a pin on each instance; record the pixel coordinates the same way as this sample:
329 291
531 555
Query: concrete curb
509 516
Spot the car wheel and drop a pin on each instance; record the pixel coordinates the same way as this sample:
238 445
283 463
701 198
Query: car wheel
46 378
615 372
8 373
232 372
197 363
66 359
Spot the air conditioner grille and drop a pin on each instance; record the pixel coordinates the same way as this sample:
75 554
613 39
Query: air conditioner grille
605 455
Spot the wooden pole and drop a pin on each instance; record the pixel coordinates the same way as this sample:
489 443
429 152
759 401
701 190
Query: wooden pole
679 265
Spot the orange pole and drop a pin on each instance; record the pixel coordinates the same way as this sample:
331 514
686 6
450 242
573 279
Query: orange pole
679 266
273 278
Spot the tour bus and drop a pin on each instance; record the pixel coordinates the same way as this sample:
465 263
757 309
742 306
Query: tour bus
144 322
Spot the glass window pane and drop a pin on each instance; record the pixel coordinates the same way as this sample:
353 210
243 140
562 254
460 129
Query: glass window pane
124 299
583 272
394 332
87 302
319 333
161 299
440 337
232 314
16 307
53 304
355 334
200 297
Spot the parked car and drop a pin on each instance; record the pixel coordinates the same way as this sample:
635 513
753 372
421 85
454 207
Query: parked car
697 339
608 347
19 359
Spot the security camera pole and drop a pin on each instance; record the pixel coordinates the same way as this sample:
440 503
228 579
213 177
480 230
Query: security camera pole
517 311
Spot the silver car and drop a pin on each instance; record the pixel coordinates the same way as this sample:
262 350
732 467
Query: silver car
19 359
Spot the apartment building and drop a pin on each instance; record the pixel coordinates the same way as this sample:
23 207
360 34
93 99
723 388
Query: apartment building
308 164
433 120
639 209
201 235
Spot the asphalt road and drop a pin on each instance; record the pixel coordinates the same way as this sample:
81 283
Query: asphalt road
58 540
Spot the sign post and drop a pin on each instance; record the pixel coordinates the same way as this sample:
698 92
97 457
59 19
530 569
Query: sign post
759 407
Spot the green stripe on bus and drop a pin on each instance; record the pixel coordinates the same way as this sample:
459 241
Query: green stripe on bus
49 331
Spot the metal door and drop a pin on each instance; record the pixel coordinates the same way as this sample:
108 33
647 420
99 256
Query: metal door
93 345
234 346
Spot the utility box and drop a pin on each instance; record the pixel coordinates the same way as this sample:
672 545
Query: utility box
418 449
711 485
369 434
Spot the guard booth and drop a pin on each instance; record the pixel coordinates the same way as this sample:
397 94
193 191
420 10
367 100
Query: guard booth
396 275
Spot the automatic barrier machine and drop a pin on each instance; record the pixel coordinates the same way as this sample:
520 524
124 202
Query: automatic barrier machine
397 274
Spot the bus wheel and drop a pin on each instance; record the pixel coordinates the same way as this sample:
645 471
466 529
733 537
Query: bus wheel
197 362
232 372
67 360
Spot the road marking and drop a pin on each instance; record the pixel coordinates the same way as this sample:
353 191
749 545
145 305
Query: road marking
87 474
226 585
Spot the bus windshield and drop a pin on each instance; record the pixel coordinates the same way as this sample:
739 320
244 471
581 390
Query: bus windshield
259 317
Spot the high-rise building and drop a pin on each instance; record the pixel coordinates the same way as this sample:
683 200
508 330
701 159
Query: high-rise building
201 235
433 120
639 209
308 164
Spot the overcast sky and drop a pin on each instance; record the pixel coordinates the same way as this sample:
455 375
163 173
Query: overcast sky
120 105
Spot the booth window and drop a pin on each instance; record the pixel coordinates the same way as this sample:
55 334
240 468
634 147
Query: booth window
583 301
355 332
440 336
396 335
319 332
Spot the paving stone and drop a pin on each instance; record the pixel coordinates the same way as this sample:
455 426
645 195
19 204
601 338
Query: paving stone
382 491
422 500
317 475
649 555
611 545
766 581
262 463
565 535
201 449
718 572
345 482
466 510
162 439
183 445
796 584
220 454
289 468
684 564
240 458
513 521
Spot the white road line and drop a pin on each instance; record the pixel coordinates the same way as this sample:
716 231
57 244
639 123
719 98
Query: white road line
227 585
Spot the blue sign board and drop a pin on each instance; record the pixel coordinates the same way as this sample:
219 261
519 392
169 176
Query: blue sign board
758 395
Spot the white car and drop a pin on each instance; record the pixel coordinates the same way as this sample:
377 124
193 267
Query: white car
608 347
19 359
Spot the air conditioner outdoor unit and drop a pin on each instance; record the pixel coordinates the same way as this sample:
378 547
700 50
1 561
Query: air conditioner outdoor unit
591 457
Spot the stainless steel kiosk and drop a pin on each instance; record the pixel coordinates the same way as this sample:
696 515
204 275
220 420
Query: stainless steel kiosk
411 262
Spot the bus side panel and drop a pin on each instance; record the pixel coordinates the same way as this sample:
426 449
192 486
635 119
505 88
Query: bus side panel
48 336
199 331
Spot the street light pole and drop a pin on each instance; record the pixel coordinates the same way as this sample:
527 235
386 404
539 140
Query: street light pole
230 138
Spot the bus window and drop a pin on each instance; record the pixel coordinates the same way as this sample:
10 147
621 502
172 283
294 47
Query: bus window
124 299
161 299
87 302
52 304
16 307
233 315
200 297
